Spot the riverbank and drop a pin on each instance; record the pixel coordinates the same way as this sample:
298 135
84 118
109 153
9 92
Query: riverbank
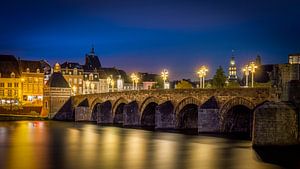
11 117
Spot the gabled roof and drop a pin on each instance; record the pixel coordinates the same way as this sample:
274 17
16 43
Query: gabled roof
32 65
71 65
57 80
9 64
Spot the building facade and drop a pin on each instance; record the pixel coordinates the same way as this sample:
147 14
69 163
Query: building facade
294 58
73 73
56 93
21 81
32 82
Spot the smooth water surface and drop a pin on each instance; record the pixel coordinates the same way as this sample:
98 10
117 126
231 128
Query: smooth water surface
69 145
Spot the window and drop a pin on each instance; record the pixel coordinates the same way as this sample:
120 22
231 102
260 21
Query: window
80 81
75 71
1 84
91 76
70 80
16 84
30 80
75 81
12 75
9 93
9 84
46 105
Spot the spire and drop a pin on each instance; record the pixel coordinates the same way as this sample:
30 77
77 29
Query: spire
92 50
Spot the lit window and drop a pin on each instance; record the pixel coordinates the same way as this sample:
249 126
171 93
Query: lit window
12 75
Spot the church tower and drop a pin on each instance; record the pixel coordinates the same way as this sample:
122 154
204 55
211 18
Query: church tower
232 76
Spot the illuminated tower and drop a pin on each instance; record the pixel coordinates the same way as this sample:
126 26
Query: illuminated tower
232 76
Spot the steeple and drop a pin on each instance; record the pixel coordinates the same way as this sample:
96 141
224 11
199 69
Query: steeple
232 75
92 50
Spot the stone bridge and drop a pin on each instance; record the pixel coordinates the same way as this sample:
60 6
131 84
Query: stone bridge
208 110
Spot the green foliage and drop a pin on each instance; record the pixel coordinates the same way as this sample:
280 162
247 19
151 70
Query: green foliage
219 78
233 84
268 84
184 85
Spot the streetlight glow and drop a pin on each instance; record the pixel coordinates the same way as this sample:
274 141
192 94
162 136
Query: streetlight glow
202 72
164 75
252 68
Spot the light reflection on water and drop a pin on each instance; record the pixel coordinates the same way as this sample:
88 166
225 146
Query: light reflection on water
36 145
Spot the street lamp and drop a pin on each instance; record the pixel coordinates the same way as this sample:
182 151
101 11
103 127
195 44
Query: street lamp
202 72
164 75
246 70
108 79
74 90
87 83
133 79
252 67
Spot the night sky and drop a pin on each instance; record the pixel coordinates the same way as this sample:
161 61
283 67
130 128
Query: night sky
147 36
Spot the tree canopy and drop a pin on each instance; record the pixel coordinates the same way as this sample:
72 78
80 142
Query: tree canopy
219 78
183 85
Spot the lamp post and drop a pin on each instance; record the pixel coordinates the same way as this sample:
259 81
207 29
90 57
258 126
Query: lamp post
252 69
133 79
202 72
112 82
164 75
87 83
246 70
108 79
74 90
22 88
93 87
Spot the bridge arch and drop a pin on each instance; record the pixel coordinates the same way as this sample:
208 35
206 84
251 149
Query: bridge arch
117 110
237 116
83 102
187 113
147 101
186 101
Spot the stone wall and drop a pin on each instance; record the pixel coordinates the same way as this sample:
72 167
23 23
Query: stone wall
275 124
82 114
208 120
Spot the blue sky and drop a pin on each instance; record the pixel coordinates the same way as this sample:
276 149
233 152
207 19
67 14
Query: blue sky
148 36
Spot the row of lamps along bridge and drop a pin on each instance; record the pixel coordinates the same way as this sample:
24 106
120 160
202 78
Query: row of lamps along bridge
202 73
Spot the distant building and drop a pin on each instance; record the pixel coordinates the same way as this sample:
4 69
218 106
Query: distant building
10 79
32 82
232 75
21 81
56 93
294 58
73 73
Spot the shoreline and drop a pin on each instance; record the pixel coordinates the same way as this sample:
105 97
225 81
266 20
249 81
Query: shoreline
12 117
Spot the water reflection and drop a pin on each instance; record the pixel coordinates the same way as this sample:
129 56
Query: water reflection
39 145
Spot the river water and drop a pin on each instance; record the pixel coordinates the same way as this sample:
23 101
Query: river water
69 145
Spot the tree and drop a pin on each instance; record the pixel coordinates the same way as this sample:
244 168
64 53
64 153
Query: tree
233 84
183 85
219 78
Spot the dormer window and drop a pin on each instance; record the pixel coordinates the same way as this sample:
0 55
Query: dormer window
37 70
91 76
12 75
75 71
27 70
